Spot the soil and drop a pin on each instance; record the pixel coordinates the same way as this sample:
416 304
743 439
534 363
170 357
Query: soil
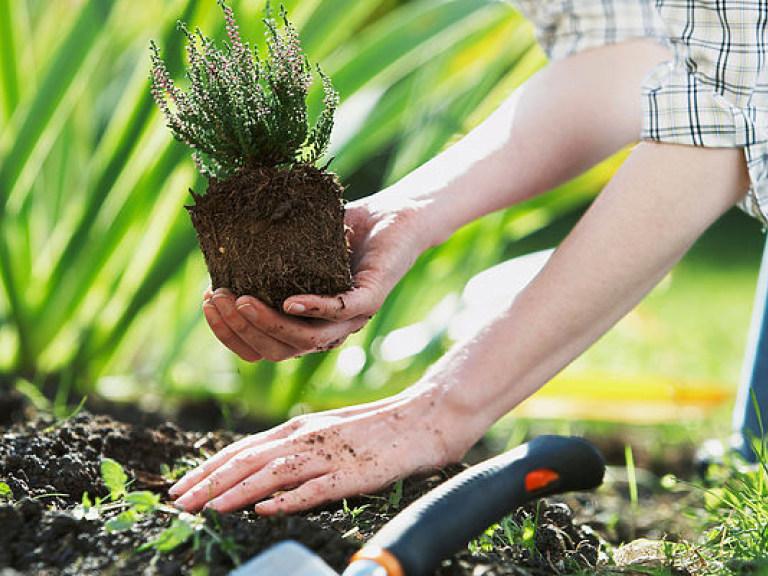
273 233
48 465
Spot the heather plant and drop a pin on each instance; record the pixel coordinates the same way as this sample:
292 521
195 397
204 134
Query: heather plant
241 110
246 120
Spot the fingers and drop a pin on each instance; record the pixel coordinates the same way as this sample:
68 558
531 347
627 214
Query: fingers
194 476
226 335
307 477
301 334
198 474
236 332
327 488
254 331
355 303
282 473
234 470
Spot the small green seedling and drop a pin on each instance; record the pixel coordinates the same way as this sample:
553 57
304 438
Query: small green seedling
629 458
135 505
395 497
179 532
353 513
485 542
226 545
508 532
123 521
180 467
115 478
5 492
523 534
63 413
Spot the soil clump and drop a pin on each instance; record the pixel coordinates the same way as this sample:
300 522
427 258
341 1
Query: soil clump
273 233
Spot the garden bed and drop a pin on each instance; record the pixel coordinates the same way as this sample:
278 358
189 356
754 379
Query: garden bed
48 465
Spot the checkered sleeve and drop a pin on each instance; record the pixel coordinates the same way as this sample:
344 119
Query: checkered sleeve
715 91
565 27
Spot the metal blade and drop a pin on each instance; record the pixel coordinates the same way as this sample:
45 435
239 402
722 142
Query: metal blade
288 558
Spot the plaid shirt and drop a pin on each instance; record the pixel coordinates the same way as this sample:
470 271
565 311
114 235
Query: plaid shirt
713 93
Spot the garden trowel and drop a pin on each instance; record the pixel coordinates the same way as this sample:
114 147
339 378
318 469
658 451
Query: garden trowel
442 521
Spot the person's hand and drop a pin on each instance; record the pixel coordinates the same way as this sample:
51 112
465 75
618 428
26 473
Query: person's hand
385 238
321 457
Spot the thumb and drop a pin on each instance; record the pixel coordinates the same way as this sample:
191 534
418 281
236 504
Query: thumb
342 307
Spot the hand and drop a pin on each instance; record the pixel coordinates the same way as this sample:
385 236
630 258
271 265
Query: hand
320 457
386 238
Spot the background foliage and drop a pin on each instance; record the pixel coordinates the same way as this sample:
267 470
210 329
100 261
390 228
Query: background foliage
100 279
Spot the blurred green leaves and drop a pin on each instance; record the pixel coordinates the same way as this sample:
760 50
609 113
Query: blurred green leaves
82 180
100 279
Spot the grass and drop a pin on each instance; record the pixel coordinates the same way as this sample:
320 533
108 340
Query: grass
737 515
732 517
716 526
731 520
507 532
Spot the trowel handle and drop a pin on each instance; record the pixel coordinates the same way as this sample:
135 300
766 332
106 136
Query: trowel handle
442 521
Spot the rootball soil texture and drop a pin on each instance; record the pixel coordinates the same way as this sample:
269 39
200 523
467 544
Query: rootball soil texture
274 232
49 464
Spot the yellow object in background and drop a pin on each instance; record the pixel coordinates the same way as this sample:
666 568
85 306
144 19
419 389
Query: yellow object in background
637 399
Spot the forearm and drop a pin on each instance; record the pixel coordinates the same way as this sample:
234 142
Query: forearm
656 206
565 119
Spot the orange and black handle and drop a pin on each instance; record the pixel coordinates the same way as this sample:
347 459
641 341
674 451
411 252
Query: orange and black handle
444 520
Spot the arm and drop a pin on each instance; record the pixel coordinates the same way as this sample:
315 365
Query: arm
659 202
655 207
565 119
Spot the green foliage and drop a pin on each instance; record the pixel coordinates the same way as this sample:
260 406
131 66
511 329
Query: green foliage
5 492
33 394
180 467
134 506
240 110
143 501
353 513
179 532
115 478
395 496
507 532
737 516
123 521
99 274
736 521
77 165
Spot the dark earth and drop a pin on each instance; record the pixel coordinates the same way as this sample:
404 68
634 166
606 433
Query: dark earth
49 464
274 232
